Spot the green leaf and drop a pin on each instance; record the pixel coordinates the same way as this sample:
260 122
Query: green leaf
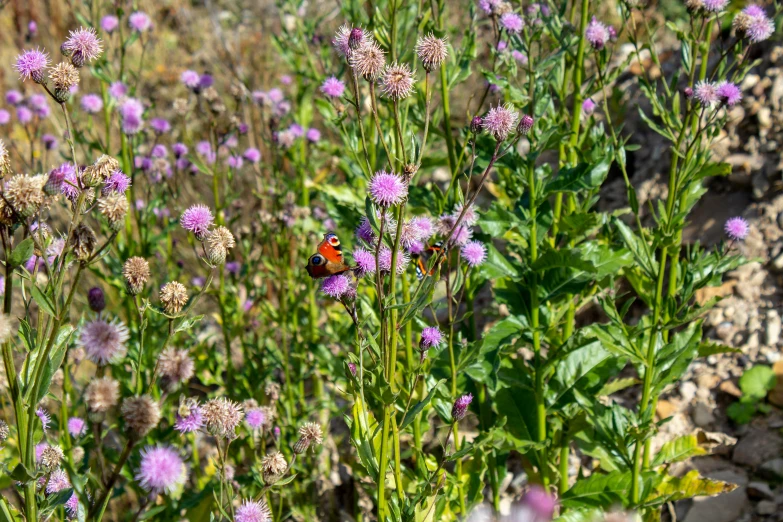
756 382
599 490
20 474
43 301
413 412
688 486
638 249
679 449
565 258
518 405
21 253
581 177
708 348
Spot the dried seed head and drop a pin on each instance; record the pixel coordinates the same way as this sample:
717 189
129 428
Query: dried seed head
136 272
174 296
5 161
210 94
368 60
83 242
4 431
51 458
431 51
222 416
100 171
217 244
397 81
141 414
102 394
25 194
272 390
310 433
273 466
64 76
114 207
176 367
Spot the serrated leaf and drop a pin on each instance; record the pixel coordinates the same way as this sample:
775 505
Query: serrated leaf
688 486
679 449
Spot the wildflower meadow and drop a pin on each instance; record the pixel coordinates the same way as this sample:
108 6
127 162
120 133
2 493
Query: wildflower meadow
354 261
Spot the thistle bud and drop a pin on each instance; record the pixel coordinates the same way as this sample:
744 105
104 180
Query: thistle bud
525 124
476 125
77 59
96 299
460 408
51 458
65 50
310 433
355 39
62 95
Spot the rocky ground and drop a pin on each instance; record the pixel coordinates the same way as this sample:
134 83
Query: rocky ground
749 315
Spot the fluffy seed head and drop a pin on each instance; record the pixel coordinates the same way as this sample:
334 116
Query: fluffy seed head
114 207
102 394
432 51
83 45
161 469
83 242
51 458
100 171
103 341
737 228
136 272
387 189
176 366
141 414
397 81
25 193
221 417
173 296
310 433
32 64
460 408
500 121
197 219
64 76
474 253
368 60
252 511
217 244
273 465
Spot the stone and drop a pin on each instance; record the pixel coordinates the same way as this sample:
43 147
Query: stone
702 415
766 507
666 409
758 489
728 387
757 447
727 507
688 391
772 469
776 395
773 328
777 263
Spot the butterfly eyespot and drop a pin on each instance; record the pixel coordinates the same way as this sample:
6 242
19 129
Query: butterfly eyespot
317 260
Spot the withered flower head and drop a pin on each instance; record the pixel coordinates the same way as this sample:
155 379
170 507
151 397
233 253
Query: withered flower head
310 433
64 76
136 272
176 366
174 296
217 245
114 207
221 417
273 466
83 242
25 194
141 414
102 394
51 457
100 171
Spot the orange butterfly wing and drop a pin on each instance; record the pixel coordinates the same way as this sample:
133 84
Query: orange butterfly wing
331 249
329 259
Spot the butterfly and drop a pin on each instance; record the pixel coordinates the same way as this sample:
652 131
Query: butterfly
328 260
423 259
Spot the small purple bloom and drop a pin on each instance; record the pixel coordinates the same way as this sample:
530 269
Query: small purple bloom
24 115
161 469
235 162
190 79
255 418
333 87
139 21
597 34
179 149
32 28
474 253
387 189
760 28
519 56
76 426
728 93
715 6
159 151
336 286
49 141
365 261
500 121
313 135
541 503
44 417
737 228
206 80
5 117
502 45
512 22
588 107
197 219
14 97
160 125
91 103
32 64
706 93
117 90
385 260
84 46
460 408
252 155
754 11
296 130
431 337
109 23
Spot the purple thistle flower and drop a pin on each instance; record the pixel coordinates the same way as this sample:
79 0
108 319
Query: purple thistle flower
313 135
14 97
715 6
83 45
139 21
512 22
469 218
387 189
365 232
190 79
131 111
336 286
91 103
179 149
728 93
44 417
588 107
117 90
191 423
333 87
286 79
347 38
296 130
755 11
159 151
252 511
235 162
64 177
32 64
76 426
462 235
500 121
161 469
58 481
460 408
160 125
705 93
109 23
252 155
117 182
5 117
416 248
365 261
597 34
540 502
431 337
205 81
760 28
385 260
519 56
39 448
197 219
255 418
487 5
103 341
474 253
424 227
24 115
737 228
502 45
49 141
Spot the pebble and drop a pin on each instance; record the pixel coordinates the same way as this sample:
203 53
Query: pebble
702 415
772 469
756 448
758 489
688 391
773 327
766 507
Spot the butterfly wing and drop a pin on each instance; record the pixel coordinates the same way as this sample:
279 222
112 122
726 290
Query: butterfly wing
318 266
331 249
423 260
